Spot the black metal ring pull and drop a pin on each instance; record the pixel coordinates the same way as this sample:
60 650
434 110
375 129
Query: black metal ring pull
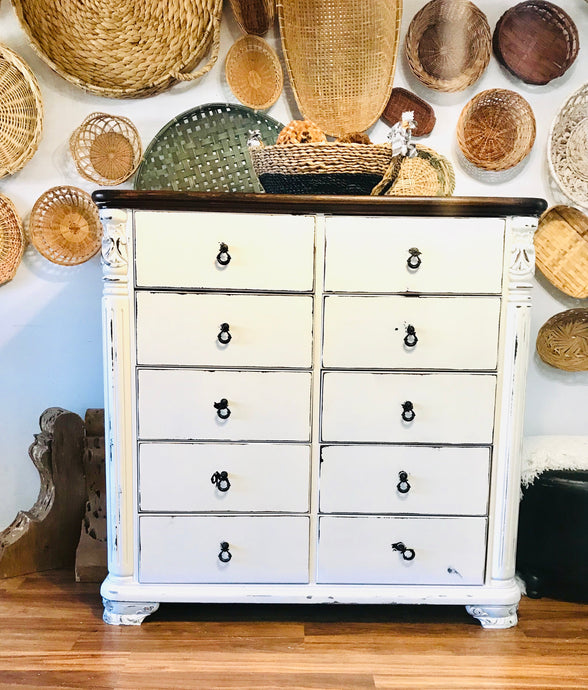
225 555
407 554
408 413
410 339
414 260
403 486
222 408
223 257
224 337
221 479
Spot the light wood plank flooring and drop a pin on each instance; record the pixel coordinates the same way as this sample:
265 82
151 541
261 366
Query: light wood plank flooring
52 636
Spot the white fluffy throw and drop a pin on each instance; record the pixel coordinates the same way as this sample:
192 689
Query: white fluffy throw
542 453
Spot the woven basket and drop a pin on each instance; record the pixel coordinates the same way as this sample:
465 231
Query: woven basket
65 226
123 48
567 148
448 44
402 101
12 239
427 174
254 73
562 341
21 113
254 16
496 129
536 41
106 148
340 59
561 249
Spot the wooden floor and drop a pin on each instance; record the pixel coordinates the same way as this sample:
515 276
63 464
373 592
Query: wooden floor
52 636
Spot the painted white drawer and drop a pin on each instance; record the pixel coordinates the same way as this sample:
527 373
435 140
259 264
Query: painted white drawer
457 255
447 408
447 332
267 252
183 549
186 403
190 477
445 550
224 330
404 479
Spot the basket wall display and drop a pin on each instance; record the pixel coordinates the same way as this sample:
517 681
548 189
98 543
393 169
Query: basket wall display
21 113
536 41
426 174
106 148
496 129
205 149
64 226
127 48
561 249
254 73
567 147
401 101
448 44
562 341
254 16
340 59
12 239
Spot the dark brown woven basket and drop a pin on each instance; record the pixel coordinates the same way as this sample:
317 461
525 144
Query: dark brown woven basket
401 101
562 341
254 16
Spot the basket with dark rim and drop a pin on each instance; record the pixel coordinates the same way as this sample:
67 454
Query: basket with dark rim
254 73
12 239
254 16
562 341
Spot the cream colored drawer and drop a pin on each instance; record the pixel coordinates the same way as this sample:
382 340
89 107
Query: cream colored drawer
445 551
197 477
404 479
375 332
267 252
192 404
224 330
457 255
447 408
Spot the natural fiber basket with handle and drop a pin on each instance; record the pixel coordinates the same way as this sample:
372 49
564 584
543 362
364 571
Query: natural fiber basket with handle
254 72
12 239
123 48
562 341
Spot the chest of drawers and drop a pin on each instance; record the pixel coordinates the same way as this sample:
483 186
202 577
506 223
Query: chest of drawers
314 399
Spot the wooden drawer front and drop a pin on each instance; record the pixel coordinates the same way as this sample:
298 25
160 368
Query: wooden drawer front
266 252
264 330
458 255
178 477
447 551
179 404
183 549
370 479
448 408
370 332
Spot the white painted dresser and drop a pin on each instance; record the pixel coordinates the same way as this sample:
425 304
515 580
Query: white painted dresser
314 399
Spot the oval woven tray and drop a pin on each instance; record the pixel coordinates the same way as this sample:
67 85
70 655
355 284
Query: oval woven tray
12 240
254 72
205 150
562 341
254 16
401 101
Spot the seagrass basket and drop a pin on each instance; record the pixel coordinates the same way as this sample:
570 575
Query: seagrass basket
496 129
254 73
12 239
254 16
65 226
126 48
562 341
561 249
426 174
106 148
448 44
21 113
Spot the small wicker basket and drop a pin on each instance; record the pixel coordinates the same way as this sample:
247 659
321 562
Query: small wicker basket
106 148
65 226
426 174
254 73
401 101
496 129
562 341
254 16
12 239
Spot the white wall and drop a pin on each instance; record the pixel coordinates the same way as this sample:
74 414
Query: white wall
50 342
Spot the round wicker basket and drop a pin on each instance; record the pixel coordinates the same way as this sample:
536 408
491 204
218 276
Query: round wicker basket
106 148
496 129
254 16
427 174
12 239
65 226
448 44
254 73
562 341
21 113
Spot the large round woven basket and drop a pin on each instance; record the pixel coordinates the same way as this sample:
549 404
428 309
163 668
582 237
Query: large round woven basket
496 129
12 239
21 113
123 48
562 341
254 72
254 16
448 44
